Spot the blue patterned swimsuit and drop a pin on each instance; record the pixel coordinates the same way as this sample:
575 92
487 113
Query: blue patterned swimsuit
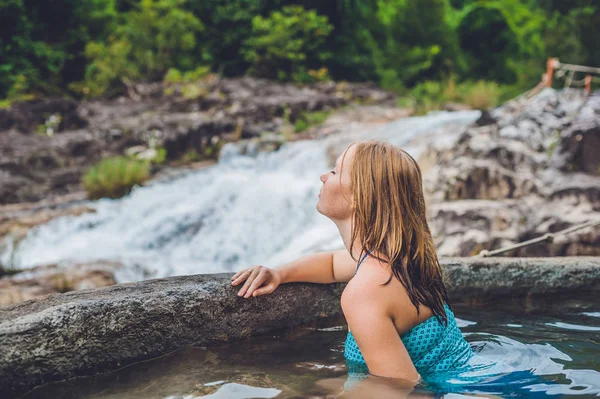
433 347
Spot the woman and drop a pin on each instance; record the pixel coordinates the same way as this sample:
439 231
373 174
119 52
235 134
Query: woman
395 302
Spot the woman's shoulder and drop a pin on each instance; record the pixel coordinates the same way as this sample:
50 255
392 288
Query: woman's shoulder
370 282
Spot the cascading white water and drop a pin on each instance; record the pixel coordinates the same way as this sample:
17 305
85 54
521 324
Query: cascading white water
243 211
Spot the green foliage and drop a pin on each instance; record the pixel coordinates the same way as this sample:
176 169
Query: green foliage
286 42
432 95
191 85
399 42
93 47
151 38
190 156
308 119
41 42
482 95
115 177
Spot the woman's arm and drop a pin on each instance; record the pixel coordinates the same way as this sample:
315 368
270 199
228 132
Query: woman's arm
320 267
384 352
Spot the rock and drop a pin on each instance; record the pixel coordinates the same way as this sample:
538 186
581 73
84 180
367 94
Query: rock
484 179
509 162
97 330
26 116
579 147
35 166
469 226
485 119
50 279
17 224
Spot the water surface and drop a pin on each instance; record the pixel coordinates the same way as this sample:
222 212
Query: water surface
562 351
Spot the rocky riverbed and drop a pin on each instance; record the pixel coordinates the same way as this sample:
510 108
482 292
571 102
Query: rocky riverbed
527 168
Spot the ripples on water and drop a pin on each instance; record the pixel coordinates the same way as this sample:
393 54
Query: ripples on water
549 355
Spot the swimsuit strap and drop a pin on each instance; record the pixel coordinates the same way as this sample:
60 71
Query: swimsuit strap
360 261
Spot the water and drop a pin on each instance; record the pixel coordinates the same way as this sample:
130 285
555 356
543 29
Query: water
245 210
560 350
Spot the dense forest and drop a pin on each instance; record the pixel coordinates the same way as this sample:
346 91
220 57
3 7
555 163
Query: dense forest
86 48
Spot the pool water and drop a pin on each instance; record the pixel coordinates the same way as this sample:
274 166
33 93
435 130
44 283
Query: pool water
550 355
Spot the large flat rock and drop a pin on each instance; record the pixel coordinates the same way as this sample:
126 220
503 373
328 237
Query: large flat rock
97 330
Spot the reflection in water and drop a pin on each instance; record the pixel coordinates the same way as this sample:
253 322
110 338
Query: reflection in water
534 360
235 391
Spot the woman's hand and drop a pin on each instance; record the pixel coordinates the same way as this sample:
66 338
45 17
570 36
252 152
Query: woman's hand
260 280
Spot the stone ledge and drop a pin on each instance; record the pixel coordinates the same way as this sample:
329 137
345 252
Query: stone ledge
97 330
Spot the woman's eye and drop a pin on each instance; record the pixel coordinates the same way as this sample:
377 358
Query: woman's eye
333 171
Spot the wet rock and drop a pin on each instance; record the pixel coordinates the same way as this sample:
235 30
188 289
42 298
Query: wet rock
96 330
485 119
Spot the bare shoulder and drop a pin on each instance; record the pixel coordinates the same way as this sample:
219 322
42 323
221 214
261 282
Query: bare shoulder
367 291
367 286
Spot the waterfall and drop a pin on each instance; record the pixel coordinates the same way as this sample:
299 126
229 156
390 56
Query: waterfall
247 209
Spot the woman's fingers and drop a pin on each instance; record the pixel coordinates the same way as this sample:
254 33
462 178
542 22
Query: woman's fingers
240 276
260 278
251 278
237 274
267 289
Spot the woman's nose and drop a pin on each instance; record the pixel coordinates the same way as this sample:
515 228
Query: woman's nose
323 177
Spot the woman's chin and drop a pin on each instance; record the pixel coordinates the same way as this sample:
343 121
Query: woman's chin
318 207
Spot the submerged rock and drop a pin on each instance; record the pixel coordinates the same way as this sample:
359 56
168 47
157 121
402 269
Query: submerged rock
91 331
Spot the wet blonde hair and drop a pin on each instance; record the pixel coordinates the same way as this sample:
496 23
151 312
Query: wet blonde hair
390 219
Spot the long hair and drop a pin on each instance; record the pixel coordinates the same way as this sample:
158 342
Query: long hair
390 218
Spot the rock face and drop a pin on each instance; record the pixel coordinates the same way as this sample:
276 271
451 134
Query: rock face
91 331
579 147
525 170
74 136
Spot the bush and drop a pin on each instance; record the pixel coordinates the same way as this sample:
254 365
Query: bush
431 95
153 37
308 119
428 96
190 85
285 44
115 177
483 95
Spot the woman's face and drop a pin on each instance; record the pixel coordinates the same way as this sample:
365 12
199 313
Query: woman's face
335 198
